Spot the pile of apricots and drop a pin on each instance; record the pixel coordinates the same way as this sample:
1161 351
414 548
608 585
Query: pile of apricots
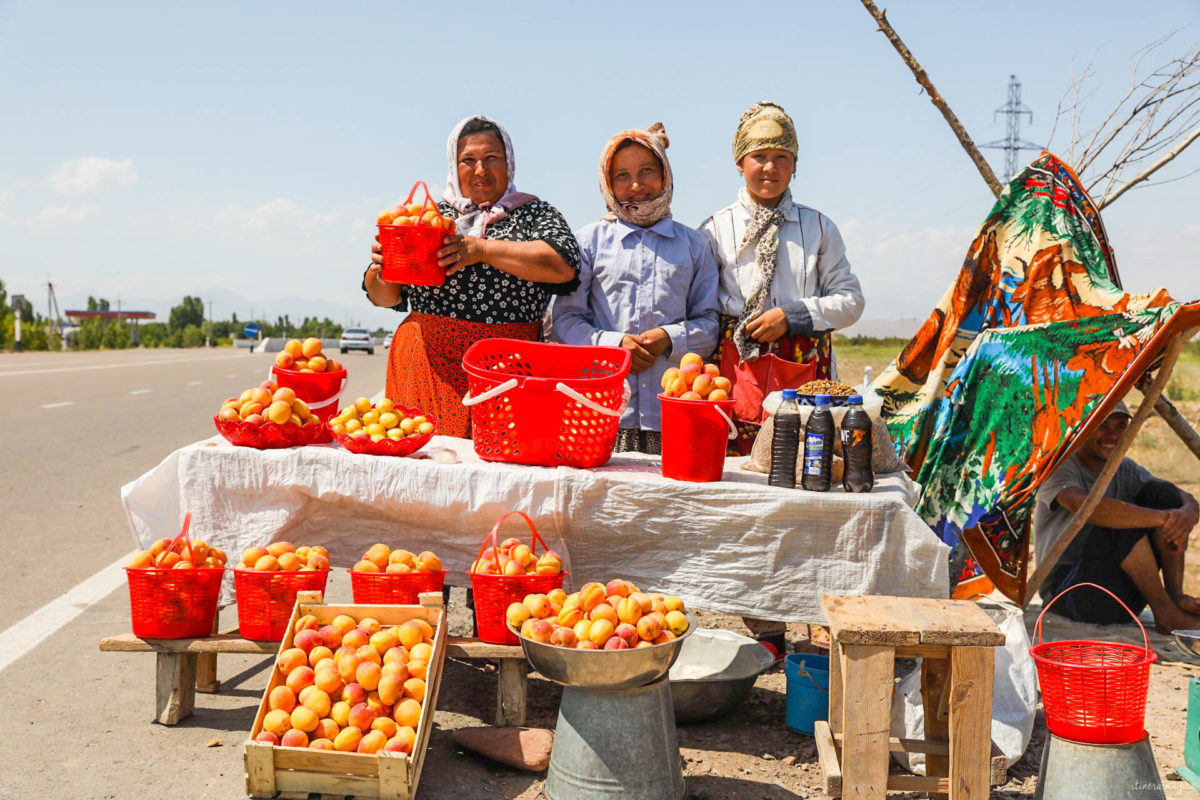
284 557
516 558
427 215
165 555
268 402
381 558
306 356
695 380
612 616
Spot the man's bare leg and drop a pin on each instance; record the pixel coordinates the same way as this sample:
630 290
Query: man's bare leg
1142 567
1172 573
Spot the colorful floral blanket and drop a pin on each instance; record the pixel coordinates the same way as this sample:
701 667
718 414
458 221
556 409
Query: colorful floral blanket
1033 338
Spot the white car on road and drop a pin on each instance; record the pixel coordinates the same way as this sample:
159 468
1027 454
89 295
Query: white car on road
356 339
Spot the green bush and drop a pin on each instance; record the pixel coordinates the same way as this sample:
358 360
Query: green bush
193 336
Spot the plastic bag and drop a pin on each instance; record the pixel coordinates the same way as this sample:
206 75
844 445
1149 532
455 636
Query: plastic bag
1014 692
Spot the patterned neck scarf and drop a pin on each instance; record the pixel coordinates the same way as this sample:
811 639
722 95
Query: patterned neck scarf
473 220
762 233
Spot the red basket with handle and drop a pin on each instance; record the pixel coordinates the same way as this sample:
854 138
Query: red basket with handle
1094 692
265 600
394 588
495 593
410 251
553 405
174 603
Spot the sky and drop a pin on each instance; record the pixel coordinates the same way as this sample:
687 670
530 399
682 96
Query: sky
240 151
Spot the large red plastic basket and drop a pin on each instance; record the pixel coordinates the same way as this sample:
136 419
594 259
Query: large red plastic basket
265 600
410 251
1094 692
173 603
553 405
495 593
394 588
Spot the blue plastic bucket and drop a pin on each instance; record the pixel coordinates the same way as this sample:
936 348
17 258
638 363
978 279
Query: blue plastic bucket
807 690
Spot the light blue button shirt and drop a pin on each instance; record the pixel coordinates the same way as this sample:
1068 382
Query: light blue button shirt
632 279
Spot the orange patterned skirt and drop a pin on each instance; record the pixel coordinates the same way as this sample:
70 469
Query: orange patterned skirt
425 365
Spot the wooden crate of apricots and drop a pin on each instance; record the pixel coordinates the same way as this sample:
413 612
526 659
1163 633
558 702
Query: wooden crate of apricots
350 703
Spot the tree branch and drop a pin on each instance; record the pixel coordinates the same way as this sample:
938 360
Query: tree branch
1176 150
919 73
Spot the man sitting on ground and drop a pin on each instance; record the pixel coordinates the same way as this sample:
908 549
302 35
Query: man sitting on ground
1133 544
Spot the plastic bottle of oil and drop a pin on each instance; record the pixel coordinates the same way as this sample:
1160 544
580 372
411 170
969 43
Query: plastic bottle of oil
785 442
818 447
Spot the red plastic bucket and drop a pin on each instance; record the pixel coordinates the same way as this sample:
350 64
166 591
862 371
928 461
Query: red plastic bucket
265 600
320 391
695 436
1094 692
495 593
410 251
173 603
394 588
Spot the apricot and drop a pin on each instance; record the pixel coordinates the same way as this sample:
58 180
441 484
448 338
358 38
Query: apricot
527 628
159 546
616 643
516 614
318 654
407 713
294 738
384 640
395 654
403 557
367 675
523 554
331 636
317 364
378 554
564 637
582 629
648 628
723 384
415 688
277 721
278 413
391 687
294 347
689 359
643 600
229 414
690 396
549 564
403 741
318 701
305 719
361 716
340 713
586 644
354 694
281 697
385 725
141 560
398 569
268 737
513 567
328 679
362 405
667 377
300 677
410 634
428 562
267 563
538 605
289 562
618 587
417 668
603 612
261 396
664 637
590 596
677 622
356 638
673 603
347 739
629 610
318 563
372 742
569 616
310 347
347 666
508 544
539 631
703 384
291 659
600 632
717 395
627 633
321 744
421 652
167 560
643 643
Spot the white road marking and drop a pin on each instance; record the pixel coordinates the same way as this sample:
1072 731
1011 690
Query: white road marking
141 391
194 383
4 374
50 618
59 405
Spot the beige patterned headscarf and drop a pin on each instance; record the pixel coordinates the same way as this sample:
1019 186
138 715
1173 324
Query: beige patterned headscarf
764 126
645 214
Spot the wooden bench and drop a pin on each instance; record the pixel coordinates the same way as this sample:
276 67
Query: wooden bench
187 666
955 640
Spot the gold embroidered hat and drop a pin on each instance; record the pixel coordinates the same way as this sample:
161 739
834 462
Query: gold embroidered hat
764 126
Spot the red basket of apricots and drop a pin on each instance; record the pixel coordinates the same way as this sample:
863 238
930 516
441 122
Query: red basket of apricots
410 236
352 685
316 379
267 417
395 577
697 420
266 582
173 587
382 429
506 574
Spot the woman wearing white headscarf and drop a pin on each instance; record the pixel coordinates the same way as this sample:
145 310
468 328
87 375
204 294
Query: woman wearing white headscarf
512 253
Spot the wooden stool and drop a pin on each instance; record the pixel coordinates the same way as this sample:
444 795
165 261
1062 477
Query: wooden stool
954 639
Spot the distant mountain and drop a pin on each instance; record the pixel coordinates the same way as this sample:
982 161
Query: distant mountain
226 303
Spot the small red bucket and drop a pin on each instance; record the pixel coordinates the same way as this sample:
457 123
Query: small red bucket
174 603
265 600
320 391
391 588
1094 692
695 436
495 593
410 251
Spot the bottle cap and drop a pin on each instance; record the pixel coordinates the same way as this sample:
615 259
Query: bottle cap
821 399
854 400
789 394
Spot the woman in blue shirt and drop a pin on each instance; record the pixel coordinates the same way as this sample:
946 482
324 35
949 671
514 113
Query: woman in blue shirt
647 283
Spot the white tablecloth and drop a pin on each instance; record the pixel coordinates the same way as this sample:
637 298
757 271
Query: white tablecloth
737 546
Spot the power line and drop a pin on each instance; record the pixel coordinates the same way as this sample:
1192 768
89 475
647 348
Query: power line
1012 144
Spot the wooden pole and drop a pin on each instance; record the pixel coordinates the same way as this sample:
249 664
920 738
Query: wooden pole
918 72
1167 410
1110 468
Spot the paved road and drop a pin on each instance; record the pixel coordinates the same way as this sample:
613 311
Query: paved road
77 427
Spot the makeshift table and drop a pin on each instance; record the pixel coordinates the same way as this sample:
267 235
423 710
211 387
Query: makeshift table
737 546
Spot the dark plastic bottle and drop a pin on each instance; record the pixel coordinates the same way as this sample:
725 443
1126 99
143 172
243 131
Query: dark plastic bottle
785 442
818 447
857 475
